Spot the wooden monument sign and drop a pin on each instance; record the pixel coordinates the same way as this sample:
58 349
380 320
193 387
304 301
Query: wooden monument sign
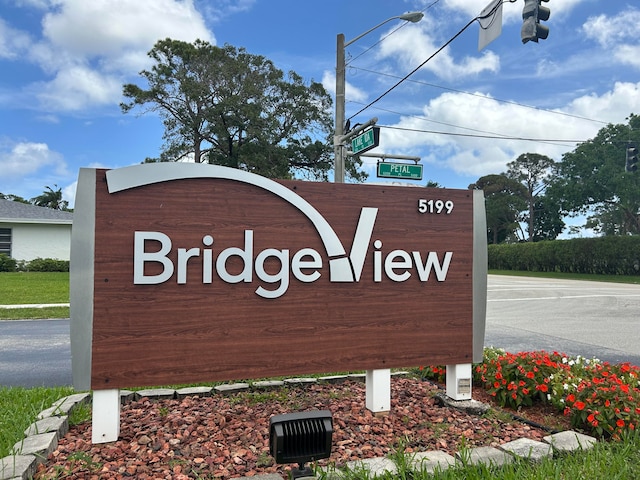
192 273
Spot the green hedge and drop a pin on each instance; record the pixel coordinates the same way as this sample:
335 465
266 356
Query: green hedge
619 255
8 264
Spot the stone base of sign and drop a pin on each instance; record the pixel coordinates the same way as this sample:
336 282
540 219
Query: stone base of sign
473 407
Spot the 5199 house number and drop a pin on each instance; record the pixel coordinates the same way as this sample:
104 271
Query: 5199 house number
435 206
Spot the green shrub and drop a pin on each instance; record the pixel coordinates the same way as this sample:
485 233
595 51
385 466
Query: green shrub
613 255
7 264
47 265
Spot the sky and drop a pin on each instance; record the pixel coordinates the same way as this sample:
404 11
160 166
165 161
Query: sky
466 113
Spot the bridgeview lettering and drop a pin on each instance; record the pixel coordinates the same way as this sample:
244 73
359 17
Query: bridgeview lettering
305 265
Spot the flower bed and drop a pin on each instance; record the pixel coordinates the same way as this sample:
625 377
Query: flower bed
598 397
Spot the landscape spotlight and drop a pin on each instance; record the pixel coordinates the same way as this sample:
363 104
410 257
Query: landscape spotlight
300 438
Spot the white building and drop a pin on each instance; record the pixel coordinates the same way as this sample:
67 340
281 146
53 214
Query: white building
28 232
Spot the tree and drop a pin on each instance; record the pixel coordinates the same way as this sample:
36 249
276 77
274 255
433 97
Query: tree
224 106
548 222
51 199
505 198
533 171
13 198
592 180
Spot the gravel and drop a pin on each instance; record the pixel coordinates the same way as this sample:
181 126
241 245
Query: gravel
227 436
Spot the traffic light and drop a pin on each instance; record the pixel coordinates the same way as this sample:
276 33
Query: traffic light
532 14
632 158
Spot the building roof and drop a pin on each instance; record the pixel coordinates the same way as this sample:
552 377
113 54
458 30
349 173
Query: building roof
16 212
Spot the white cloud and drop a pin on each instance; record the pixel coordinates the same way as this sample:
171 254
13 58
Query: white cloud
412 45
13 43
352 93
75 88
617 35
69 193
90 48
217 11
109 27
612 106
612 30
27 158
512 11
484 116
628 55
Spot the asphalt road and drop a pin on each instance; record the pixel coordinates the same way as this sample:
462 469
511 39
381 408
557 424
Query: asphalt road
35 353
591 319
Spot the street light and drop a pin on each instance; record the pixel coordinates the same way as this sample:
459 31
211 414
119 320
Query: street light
340 87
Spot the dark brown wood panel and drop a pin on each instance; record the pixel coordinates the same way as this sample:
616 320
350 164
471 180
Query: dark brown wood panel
195 332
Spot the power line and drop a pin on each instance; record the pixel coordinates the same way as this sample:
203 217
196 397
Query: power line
492 137
479 95
425 119
415 69
406 77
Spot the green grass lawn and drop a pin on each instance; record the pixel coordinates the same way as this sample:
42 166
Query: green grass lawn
34 287
18 288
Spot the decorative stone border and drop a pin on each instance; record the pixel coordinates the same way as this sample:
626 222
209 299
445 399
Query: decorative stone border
41 437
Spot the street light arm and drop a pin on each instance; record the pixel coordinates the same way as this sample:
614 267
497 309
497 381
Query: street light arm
409 17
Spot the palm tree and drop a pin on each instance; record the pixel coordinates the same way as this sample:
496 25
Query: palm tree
51 199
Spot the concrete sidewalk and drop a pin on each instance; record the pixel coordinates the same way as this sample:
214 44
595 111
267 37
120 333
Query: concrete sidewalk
35 305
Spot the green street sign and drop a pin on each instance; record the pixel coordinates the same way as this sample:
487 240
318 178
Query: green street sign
366 140
404 171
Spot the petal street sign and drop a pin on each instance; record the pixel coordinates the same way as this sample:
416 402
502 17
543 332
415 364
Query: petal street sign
404 171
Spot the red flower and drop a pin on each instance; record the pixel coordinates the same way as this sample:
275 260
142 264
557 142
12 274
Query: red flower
579 405
542 387
620 423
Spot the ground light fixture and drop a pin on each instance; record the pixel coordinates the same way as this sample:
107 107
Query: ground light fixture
301 437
